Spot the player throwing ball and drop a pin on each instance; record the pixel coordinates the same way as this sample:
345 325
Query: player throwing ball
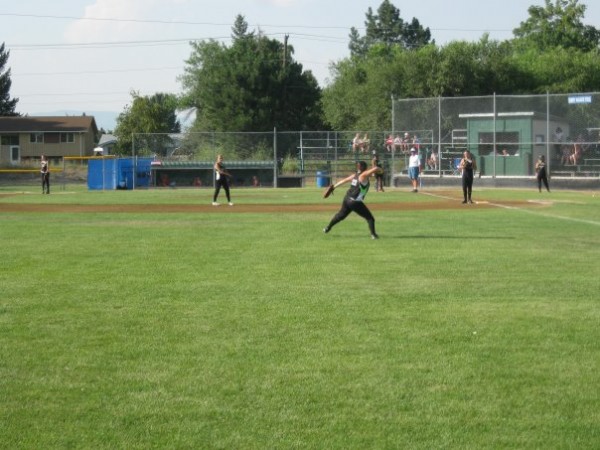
354 198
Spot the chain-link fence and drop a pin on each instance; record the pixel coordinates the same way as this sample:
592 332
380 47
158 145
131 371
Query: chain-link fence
278 159
507 133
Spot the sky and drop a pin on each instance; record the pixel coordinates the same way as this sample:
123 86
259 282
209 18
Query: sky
87 56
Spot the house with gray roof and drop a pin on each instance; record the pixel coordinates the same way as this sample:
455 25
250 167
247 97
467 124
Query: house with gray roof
27 138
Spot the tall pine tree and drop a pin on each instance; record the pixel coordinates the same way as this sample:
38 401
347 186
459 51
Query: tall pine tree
7 105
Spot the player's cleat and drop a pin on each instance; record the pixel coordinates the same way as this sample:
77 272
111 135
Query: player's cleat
215 204
464 202
326 230
374 236
470 201
230 204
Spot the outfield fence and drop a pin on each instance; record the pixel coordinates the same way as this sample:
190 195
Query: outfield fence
506 134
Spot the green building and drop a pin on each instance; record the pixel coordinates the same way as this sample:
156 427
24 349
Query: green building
507 144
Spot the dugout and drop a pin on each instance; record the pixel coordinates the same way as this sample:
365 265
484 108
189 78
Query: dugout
201 173
507 144
118 173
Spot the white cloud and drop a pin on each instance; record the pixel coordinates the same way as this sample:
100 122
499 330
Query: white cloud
82 30
281 3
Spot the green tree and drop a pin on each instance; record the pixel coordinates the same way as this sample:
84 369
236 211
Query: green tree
388 28
252 85
359 97
7 105
557 24
154 114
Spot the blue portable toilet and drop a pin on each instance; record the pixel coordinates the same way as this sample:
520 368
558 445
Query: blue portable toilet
102 174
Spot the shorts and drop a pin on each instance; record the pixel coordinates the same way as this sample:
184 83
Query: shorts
413 173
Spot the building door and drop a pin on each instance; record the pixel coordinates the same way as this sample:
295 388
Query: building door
15 155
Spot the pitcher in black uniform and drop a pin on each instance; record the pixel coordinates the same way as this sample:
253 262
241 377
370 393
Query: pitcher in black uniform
467 166
354 198
540 169
221 180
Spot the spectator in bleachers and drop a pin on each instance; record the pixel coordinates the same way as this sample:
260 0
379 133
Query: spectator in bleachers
366 143
432 162
356 143
389 143
398 143
406 143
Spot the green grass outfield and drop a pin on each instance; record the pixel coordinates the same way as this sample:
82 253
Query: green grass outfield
462 327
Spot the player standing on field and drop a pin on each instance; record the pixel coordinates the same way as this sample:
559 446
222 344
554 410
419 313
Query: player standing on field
354 199
468 166
222 180
45 171
542 177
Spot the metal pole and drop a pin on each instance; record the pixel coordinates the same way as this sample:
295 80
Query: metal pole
439 143
548 163
132 159
392 166
494 137
275 157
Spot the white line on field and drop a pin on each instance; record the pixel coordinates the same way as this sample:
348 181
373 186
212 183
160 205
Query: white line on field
515 208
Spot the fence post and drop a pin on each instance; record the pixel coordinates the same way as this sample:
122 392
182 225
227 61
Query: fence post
439 156
548 133
494 150
274 157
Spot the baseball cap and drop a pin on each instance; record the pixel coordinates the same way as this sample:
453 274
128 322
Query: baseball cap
413 149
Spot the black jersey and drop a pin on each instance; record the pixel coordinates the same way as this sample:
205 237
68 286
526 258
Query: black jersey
357 190
467 167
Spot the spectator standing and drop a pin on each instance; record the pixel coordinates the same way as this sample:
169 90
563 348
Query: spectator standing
414 168
542 177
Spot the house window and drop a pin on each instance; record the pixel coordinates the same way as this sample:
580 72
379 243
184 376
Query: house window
36 138
67 137
9 140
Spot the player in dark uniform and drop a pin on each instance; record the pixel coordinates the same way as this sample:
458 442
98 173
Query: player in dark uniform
221 181
378 174
45 171
468 166
354 198
540 169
